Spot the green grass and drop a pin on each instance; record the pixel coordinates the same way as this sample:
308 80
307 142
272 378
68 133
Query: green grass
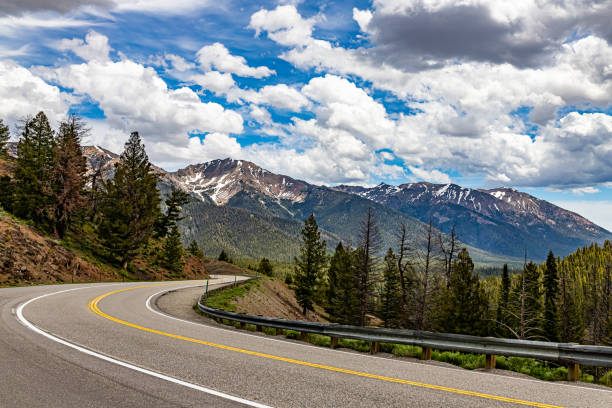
225 299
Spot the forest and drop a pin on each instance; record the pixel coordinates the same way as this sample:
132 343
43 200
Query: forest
114 220
430 283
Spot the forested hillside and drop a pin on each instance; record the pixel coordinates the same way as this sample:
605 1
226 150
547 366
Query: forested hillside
60 222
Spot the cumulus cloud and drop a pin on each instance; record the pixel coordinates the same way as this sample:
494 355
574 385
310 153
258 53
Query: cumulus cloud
95 47
423 32
284 25
23 94
464 113
134 97
218 57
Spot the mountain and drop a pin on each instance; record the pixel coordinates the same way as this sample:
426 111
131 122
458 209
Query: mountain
284 203
502 220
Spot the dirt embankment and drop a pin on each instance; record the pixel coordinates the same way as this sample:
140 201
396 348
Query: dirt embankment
273 298
28 257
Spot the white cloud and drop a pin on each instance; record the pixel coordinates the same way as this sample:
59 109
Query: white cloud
218 57
463 112
280 96
95 47
23 94
134 97
13 26
433 176
284 25
179 63
214 81
585 190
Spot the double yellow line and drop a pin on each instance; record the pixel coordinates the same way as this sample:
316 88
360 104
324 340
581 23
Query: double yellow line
93 306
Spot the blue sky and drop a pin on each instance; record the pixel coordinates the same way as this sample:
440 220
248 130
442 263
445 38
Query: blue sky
481 94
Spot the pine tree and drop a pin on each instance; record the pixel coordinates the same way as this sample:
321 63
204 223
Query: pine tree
4 137
332 278
551 293
366 264
391 301
33 196
223 256
572 323
130 204
265 267
69 173
502 307
166 221
195 250
344 300
309 265
463 306
173 251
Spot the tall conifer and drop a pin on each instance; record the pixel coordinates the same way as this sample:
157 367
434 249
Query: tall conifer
464 305
309 265
391 301
68 173
130 205
551 293
33 174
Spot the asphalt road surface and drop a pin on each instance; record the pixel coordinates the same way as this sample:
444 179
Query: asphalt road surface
105 345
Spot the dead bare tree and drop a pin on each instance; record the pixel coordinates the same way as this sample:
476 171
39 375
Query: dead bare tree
405 272
448 249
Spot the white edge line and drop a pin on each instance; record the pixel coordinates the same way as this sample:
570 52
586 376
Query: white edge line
267 338
29 325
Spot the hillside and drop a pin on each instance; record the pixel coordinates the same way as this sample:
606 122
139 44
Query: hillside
501 220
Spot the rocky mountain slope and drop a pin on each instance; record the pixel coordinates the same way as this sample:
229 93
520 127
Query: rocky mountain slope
501 220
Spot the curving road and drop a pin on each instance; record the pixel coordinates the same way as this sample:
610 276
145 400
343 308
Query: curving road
104 345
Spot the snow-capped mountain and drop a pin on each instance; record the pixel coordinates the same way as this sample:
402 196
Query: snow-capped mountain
502 218
223 179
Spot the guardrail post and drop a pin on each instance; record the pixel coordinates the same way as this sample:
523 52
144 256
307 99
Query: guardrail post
374 347
259 327
490 360
303 336
334 342
279 332
573 372
242 325
426 354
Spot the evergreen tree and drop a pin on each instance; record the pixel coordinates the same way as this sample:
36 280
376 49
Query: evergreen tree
130 204
4 137
166 221
33 196
223 256
69 173
309 265
366 266
551 293
6 193
391 301
265 267
344 299
572 323
173 251
463 306
195 250
332 278
502 307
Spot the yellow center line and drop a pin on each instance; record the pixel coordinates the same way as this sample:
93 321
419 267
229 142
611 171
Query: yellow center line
93 306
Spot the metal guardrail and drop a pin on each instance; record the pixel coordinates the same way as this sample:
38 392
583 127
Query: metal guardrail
572 354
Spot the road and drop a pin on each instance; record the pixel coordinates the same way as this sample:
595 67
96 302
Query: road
105 345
